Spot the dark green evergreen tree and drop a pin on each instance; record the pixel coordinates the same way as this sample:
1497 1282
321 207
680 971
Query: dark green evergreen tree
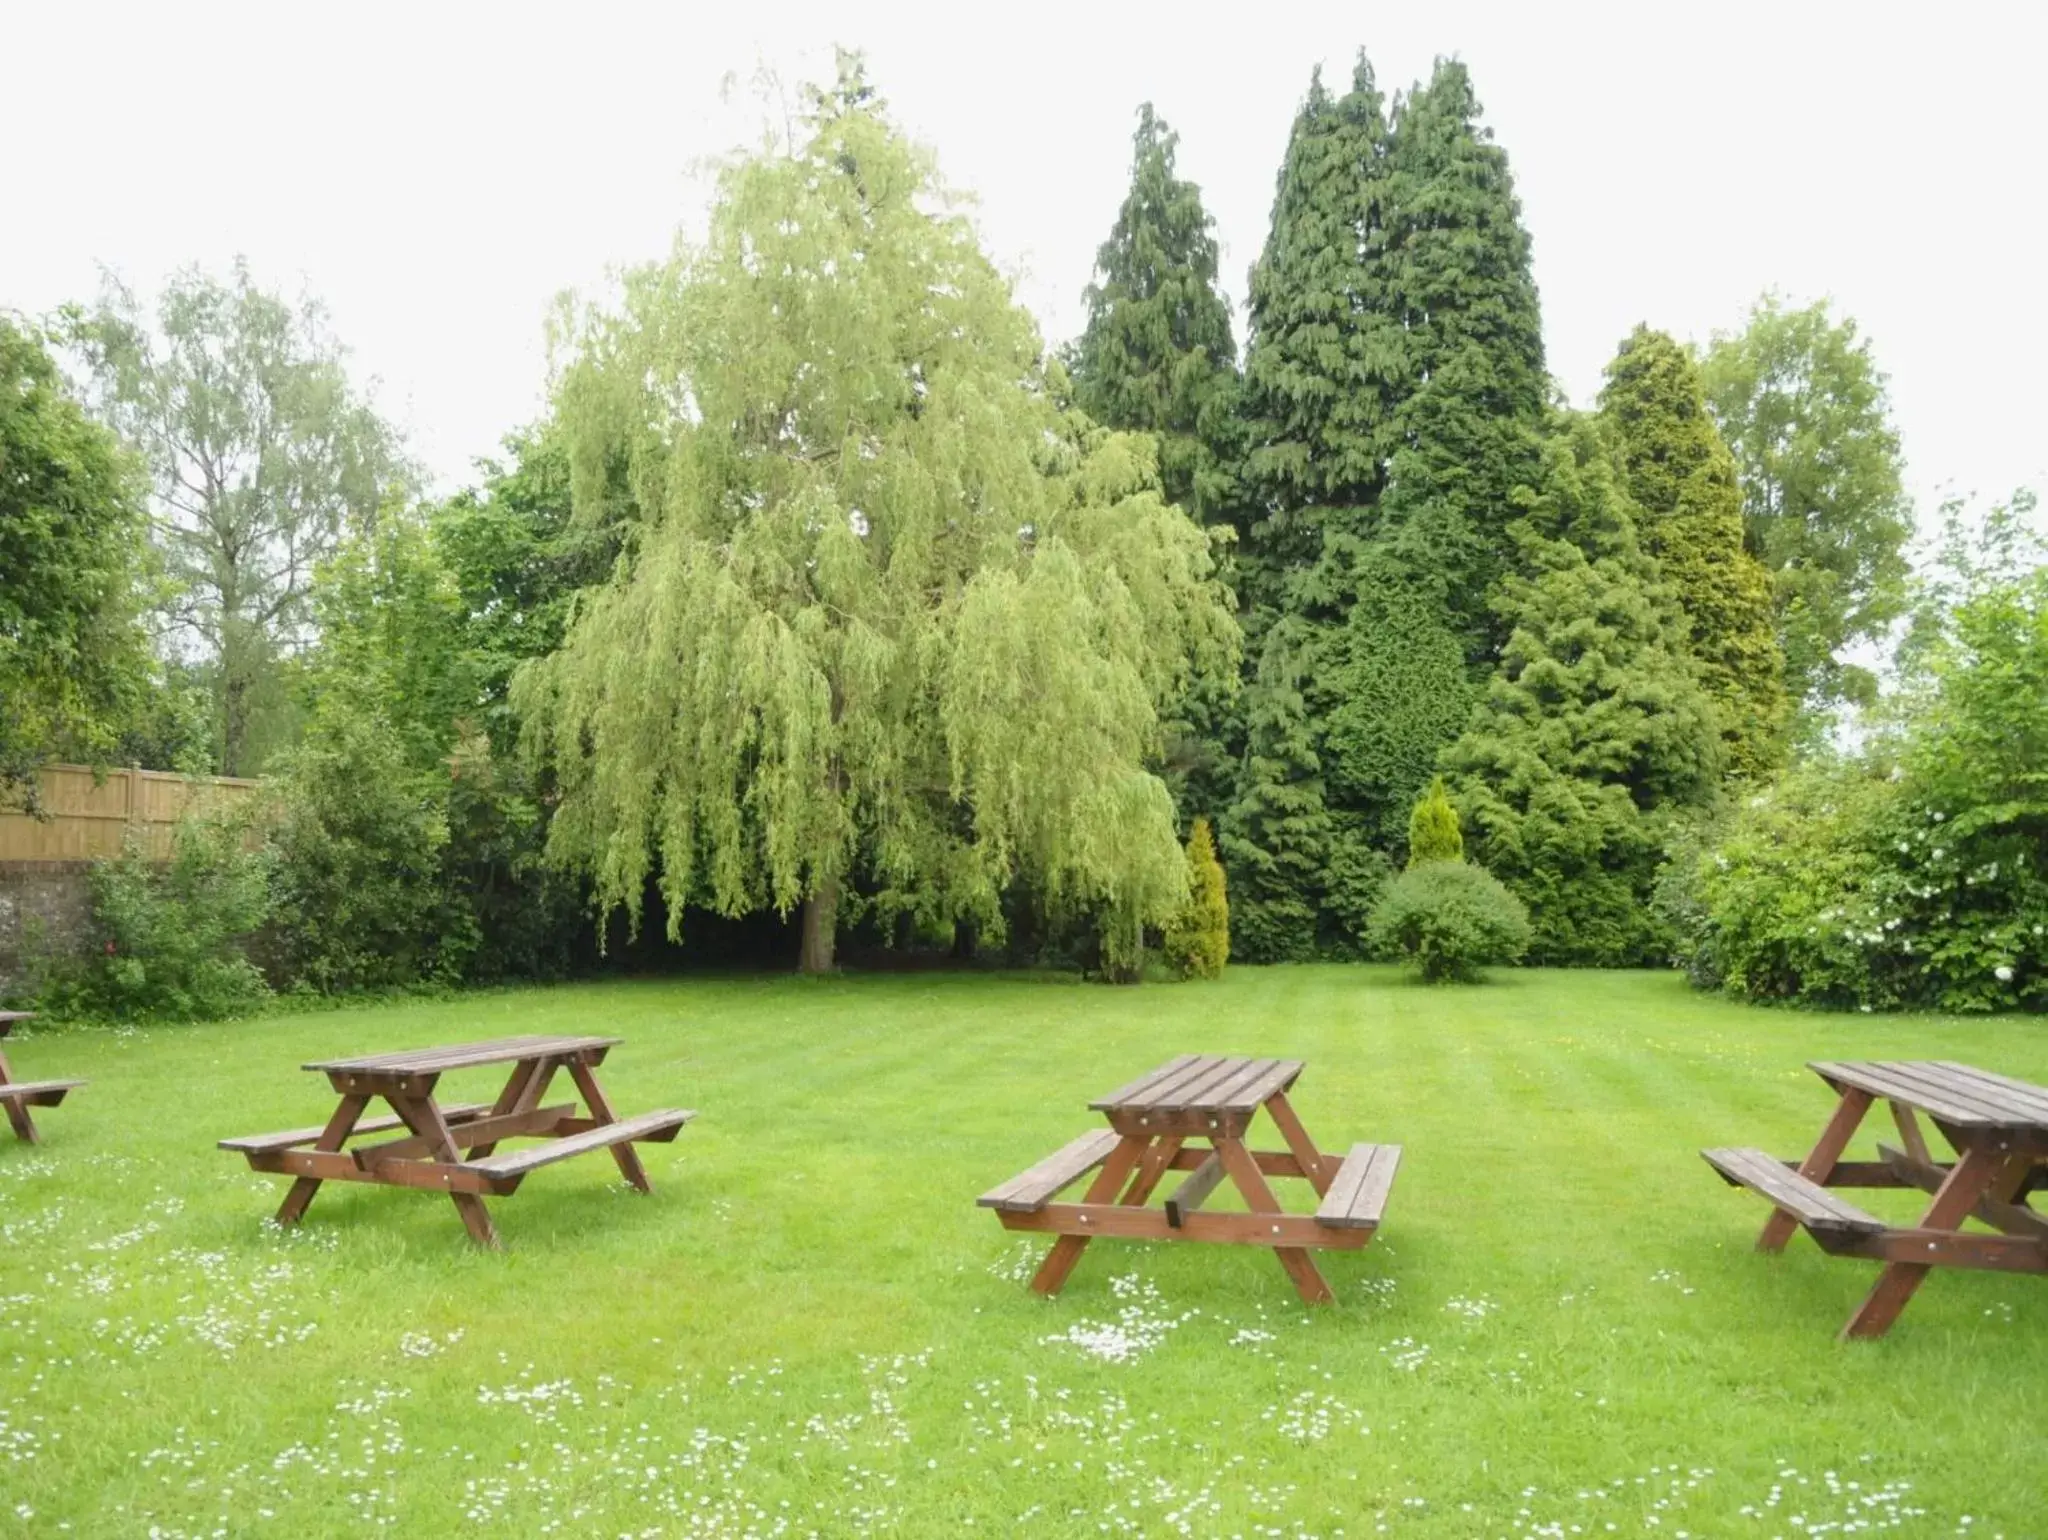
1474 387
1394 691
1682 479
1276 837
1595 736
1157 354
1324 363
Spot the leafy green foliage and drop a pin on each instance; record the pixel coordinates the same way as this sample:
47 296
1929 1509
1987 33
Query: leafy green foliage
1433 833
1803 405
1594 738
263 457
170 940
73 658
436 872
1689 512
516 557
1913 875
1198 935
1156 355
1391 691
1277 838
1450 918
358 839
892 619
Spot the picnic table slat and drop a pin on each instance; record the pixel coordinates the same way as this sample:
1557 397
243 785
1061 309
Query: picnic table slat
1200 1093
427 1061
1958 1085
1167 1091
1251 1094
2022 1093
1132 1088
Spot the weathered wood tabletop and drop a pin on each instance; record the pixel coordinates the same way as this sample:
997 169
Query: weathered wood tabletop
1998 1128
426 1155
1152 1121
17 1096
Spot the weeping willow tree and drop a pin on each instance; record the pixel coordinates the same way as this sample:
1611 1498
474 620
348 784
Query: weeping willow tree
895 624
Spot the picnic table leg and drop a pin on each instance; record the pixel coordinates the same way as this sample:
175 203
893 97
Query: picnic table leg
332 1138
1319 1168
1982 1169
1908 1125
1152 1167
17 1110
522 1093
1066 1251
601 1110
1819 1163
424 1118
1258 1197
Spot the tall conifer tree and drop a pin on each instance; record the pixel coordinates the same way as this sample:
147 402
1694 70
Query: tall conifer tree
1394 388
1276 837
1157 355
1682 478
1323 365
1595 735
1466 428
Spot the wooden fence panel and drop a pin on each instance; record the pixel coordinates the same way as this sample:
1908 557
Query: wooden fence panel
89 817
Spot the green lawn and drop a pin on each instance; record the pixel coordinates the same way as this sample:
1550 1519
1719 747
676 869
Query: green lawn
810 1328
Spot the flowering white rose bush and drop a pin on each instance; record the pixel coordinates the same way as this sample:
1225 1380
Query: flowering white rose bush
1914 874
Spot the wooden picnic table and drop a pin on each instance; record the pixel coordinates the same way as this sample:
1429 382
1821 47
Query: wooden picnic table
427 1154
1160 1123
20 1095
1998 1128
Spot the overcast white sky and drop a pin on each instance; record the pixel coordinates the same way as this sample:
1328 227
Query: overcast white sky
438 172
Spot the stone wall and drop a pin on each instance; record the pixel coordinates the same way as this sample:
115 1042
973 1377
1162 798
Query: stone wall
43 904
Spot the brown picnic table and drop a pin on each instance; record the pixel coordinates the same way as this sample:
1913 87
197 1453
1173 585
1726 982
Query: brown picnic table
429 1152
20 1095
1998 1128
1162 1122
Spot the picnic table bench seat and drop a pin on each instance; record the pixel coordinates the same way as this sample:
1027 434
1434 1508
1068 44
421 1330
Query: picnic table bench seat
292 1138
1031 1190
1814 1206
648 1127
17 1096
1358 1193
38 1093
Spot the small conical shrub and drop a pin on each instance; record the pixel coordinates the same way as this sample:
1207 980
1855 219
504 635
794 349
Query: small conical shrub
1198 937
1433 828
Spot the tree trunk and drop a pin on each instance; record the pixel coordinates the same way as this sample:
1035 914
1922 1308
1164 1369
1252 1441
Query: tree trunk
821 927
234 719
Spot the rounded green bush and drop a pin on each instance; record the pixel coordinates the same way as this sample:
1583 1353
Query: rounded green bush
1450 918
